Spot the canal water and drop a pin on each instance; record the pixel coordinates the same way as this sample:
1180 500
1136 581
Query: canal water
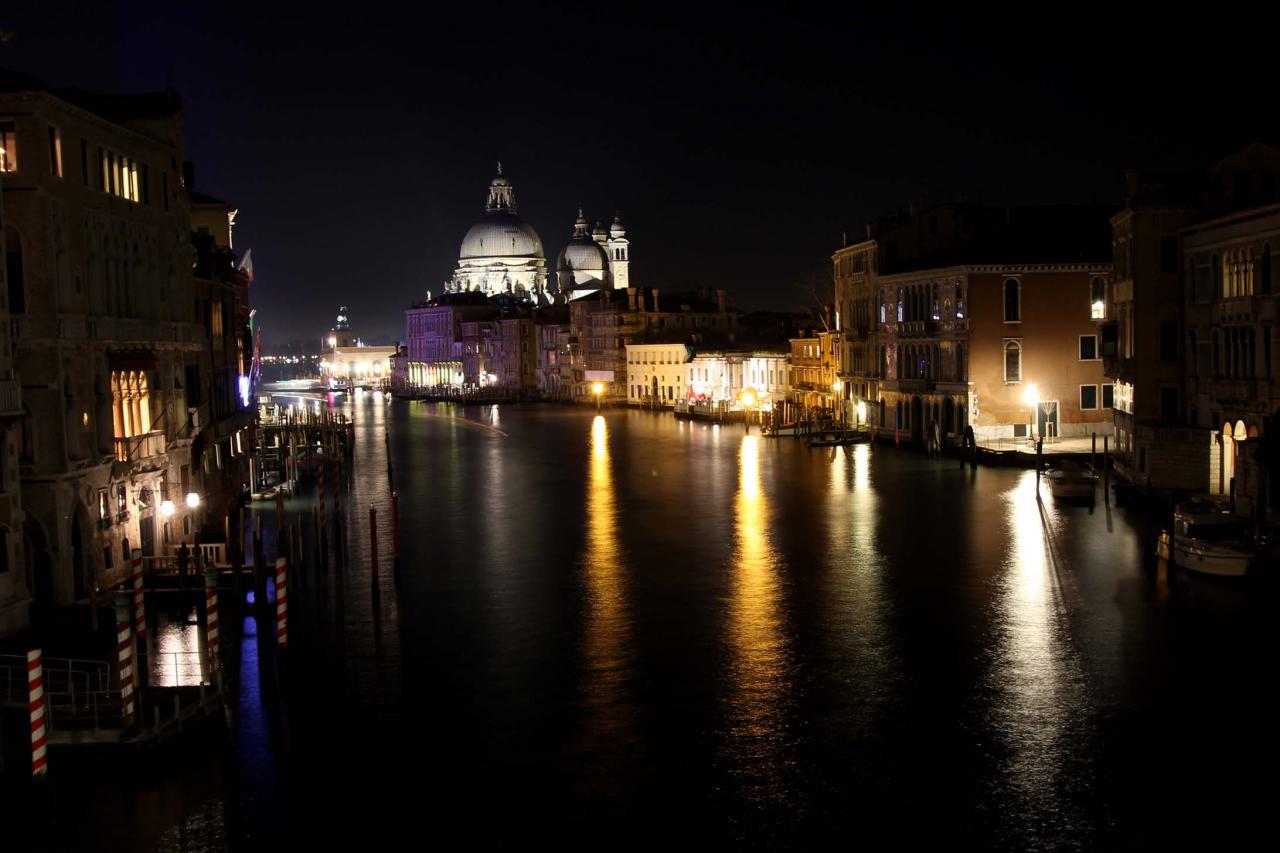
620 630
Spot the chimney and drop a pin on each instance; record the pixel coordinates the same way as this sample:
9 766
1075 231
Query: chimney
720 300
654 291
631 299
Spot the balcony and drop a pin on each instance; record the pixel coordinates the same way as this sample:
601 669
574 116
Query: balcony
139 447
10 398
1239 392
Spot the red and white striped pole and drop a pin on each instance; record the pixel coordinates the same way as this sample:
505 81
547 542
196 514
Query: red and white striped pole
35 696
140 612
124 648
282 603
211 620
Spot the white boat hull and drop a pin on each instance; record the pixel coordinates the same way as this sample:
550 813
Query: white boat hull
1211 561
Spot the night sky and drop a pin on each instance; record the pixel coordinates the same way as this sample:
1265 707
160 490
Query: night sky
738 145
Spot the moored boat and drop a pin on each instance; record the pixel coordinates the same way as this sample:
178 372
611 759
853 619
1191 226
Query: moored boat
1208 538
1071 480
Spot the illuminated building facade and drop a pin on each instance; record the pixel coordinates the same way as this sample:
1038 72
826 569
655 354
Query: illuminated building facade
657 373
857 306
501 254
113 335
1188 329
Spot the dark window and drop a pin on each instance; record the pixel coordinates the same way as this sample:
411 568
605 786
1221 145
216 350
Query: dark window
1012 301
1169 254
13 271
1108 396
1088 347
194 397
1088 396
1264 272
164 188
1168 340
84 162
1169 402
1012 361
146 184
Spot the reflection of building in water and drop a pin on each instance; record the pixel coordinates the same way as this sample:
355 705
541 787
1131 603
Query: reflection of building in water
758 676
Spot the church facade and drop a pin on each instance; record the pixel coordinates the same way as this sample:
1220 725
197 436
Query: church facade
502 255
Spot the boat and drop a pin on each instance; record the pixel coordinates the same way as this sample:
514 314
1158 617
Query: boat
1071 480
1208 538
836 437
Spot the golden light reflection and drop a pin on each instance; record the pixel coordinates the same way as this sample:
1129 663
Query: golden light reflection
608 624
1036 674
758 647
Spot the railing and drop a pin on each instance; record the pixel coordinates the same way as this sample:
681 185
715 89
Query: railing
10 397
67 681
138 447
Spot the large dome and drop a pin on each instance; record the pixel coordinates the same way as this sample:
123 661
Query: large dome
501 235
583 256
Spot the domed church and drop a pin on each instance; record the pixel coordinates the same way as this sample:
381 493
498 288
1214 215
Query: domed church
501 253
593 260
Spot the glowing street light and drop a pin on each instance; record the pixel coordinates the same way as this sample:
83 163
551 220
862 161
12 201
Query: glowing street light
193 500
166 508
1031 396
597 388
747 397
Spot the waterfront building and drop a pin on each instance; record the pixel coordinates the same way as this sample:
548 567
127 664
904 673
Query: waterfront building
1188 329
604 322
556 351
433 333
656 374
718 377
857 298
125 356
500 355
340 335
982 317
813 386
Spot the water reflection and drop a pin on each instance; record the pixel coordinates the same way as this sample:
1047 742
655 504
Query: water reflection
608 624
759 656
177 661
1040 697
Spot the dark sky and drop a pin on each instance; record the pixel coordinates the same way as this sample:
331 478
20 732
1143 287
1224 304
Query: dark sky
737 143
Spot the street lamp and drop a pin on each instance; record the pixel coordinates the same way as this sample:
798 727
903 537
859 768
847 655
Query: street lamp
1031 396
597 389
166 508
837 404
747 397
193 500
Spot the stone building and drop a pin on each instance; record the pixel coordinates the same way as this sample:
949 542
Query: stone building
857 298
1188 329
656 373
123 353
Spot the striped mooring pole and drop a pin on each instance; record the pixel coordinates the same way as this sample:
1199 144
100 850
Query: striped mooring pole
35 696
140 611
282 602
211 620
124 648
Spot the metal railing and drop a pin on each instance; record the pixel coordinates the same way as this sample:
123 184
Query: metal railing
142 446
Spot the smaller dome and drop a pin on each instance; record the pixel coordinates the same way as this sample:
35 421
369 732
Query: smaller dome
599 233
583 256
617 229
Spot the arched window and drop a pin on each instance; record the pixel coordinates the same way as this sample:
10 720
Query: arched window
899 304
1012 301
1012 361
1098 298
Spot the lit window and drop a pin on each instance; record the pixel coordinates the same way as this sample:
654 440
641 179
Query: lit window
55 152
8 147
1098 299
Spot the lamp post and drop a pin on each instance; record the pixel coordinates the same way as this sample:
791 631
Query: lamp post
1031 396
597 388
837 404
747 397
